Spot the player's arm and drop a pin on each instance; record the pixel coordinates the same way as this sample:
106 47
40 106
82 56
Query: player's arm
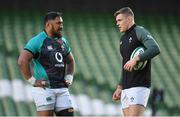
25 58
152 48
121 77
24 65
70 68
117 93
70 64
23 62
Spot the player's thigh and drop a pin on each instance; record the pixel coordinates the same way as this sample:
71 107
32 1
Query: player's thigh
46 113
124 103
136 110
138 96
125 112
124 100
44 99
63 100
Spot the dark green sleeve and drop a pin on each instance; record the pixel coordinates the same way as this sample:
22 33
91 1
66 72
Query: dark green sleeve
152 48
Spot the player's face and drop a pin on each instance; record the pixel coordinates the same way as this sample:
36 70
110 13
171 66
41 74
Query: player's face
122 22
57 26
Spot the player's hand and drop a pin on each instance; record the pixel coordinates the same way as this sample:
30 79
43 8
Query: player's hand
117 94
68 79
131 63
40 83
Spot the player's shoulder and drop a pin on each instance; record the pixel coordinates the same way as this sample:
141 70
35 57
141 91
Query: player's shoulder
66 43
35 42
64 39
139 28
39 37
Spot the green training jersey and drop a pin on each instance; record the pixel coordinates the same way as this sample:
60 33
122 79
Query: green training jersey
49 58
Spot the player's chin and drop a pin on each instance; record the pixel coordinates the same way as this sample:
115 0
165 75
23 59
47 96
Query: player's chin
121 30
59 34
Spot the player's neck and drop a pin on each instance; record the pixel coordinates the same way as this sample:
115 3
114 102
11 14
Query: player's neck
49 32
130 25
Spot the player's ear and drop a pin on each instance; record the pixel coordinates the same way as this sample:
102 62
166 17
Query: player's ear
130 18
48 24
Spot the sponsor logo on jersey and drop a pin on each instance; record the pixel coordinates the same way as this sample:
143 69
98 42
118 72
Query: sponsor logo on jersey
59 59
49 47
59 65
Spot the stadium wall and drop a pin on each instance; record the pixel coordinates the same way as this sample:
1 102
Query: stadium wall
140 6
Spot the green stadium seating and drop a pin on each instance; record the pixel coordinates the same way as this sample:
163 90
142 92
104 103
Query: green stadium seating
2 113
22 109
4 69
13 67
9 107
32 109
7 35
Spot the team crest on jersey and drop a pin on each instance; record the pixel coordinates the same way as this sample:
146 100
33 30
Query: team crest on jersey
62 46
48 99
130 39
49 47
120 43
132 99
59 41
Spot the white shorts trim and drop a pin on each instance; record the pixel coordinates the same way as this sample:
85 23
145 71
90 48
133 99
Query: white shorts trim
135 95
51 99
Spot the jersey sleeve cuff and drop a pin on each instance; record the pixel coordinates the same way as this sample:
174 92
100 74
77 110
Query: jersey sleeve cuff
29 51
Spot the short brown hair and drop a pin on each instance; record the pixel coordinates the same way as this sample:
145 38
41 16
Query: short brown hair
125 10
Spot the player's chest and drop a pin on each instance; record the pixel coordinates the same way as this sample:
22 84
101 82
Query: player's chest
53 46
128 43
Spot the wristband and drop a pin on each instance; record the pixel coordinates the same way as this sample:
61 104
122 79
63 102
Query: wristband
32 80
69 78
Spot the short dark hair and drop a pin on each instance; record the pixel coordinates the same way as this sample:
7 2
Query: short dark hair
51 16
125 10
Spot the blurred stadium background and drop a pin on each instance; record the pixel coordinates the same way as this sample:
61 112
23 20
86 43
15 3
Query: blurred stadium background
90 28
